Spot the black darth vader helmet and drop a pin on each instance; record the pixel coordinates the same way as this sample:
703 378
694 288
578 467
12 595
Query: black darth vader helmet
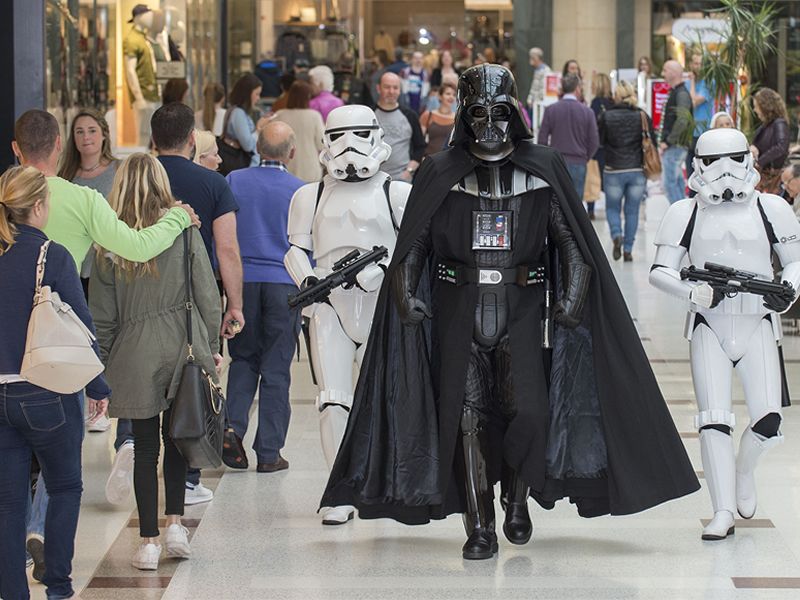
489 116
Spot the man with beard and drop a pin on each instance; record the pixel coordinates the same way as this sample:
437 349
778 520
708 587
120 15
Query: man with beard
502 349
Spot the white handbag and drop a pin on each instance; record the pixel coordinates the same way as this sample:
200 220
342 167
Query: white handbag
58 350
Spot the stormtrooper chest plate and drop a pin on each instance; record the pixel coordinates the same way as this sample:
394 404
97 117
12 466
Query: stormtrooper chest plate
352 215
733 235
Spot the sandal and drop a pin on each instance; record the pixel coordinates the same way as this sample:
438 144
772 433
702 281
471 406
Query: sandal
233 454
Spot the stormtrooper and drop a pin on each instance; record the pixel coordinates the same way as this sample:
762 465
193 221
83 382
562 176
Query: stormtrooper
355 207
730 224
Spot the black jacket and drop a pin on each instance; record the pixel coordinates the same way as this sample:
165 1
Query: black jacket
621 136
772 141
673 125
396 458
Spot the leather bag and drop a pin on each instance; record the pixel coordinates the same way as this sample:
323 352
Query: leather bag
651 161
230 151
197 421
58 350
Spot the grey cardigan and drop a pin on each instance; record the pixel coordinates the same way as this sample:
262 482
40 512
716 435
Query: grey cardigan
141 327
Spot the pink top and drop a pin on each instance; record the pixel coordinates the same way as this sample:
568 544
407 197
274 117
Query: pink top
324 103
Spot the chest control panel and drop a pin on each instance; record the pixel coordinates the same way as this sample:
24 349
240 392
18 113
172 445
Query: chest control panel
491 230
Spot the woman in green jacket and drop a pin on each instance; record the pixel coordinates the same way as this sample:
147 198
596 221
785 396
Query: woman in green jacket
139 312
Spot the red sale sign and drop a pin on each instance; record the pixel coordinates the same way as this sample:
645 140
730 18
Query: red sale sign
659 92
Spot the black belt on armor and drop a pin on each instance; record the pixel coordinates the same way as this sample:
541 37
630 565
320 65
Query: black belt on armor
523 275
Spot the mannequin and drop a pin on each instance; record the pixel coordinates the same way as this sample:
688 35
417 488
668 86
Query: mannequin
140 71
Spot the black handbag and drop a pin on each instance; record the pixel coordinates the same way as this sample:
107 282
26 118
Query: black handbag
197 421
230 151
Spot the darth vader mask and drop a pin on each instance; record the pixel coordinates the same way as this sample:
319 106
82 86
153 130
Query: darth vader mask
489 119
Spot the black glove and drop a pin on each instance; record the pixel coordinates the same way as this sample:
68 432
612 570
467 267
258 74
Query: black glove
777 302
564 317
412 310
308 282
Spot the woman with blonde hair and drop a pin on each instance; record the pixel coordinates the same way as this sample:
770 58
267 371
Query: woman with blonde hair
722 120
621 128
34 419
771 142
139 310
206 152
601 102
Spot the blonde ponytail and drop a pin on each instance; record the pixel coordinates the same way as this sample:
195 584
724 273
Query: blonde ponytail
21 188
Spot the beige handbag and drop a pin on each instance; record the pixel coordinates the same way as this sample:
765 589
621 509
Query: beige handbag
58 351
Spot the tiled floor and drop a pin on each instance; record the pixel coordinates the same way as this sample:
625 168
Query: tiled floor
261 539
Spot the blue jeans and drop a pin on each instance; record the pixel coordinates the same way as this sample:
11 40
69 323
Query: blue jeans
578 175
38 510
672 164
124 433
630 186
36 420
263 351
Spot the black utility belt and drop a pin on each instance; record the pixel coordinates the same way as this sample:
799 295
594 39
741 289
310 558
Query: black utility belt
523 275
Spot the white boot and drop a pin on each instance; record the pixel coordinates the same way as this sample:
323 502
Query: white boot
716 449
751 447
332 423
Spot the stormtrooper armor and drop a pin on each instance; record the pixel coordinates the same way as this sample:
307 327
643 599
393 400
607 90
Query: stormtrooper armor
354 207
731 224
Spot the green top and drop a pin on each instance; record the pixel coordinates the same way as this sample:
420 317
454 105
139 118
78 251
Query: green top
135 45
80 216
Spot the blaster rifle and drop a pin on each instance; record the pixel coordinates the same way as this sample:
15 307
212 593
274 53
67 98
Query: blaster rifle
730 282
344 274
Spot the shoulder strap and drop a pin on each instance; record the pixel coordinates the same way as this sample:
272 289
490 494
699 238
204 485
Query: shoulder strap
686 240
320 187
386 185
645 132
773 239
187 271
40 266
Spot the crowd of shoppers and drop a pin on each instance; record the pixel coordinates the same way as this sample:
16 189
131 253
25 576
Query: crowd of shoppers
126 227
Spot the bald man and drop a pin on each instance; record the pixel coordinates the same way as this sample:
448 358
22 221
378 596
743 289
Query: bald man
262 353
401 130
675 138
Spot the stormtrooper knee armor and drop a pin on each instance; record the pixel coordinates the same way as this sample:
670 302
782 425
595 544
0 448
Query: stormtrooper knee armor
729 223
354 207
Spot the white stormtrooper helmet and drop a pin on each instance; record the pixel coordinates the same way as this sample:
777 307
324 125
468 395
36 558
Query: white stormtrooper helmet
723 167
354 146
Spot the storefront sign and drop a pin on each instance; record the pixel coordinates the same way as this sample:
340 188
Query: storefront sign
170 70
705 31
658 98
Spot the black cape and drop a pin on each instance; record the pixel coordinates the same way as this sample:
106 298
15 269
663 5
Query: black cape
396 458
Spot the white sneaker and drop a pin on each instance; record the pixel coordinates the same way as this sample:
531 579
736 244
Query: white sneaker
100 425
337 515
197 494
146 557
120 480
178 541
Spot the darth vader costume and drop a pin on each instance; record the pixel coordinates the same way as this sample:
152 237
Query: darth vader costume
529 370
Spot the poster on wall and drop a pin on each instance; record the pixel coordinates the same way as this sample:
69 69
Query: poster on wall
659 92
552 87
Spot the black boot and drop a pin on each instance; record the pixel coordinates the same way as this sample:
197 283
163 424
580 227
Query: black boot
479 519
517 526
